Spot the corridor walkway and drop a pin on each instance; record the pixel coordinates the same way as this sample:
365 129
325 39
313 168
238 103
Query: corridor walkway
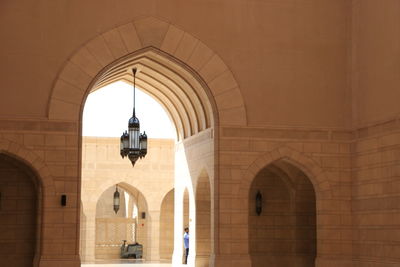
130 263
125 263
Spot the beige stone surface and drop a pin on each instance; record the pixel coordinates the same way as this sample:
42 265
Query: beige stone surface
19 205
146 184
287 222
313 83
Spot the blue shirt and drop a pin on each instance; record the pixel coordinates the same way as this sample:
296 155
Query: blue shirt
186 240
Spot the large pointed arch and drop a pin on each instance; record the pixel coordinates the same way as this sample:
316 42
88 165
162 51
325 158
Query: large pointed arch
201 88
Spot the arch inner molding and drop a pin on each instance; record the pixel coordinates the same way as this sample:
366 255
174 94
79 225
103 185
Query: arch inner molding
184 100
288 157
187 78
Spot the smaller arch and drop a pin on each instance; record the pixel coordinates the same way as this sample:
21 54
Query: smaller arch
32 160
112 227
131 188
23 193
185 216
284 233
167 226
202 173
307 165
125 186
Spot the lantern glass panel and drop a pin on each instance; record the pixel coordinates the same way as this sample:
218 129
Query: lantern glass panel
143 141
116 198
133 138
126 141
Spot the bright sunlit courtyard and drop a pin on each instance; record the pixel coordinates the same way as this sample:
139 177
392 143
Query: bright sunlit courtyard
108 110
124 264
147 214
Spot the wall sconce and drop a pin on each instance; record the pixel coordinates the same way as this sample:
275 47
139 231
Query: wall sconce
116 200
258 203
63 200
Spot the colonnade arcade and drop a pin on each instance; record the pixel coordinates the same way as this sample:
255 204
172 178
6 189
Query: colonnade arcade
200 95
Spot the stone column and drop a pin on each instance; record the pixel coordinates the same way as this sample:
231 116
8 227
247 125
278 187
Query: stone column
178 226
192 230
88 241
154 233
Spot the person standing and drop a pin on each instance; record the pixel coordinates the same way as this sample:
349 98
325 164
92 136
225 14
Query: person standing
186 243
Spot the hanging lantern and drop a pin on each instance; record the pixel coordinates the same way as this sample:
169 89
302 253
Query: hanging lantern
116 200
133 143
258 203
143 144
124 144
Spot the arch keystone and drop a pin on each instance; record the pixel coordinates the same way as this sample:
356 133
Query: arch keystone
283 150
151 31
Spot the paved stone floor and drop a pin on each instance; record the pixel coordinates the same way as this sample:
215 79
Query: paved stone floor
123 263
136 264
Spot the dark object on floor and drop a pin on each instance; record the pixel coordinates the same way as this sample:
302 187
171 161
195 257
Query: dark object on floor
134 251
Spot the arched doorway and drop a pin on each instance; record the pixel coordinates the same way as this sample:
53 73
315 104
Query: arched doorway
125 224
283 232
20 195
184 99
203 221
180 71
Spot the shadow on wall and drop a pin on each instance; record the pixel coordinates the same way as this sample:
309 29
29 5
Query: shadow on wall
19 213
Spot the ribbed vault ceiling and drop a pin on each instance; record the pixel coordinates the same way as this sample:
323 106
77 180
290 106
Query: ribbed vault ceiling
176 88
179 92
